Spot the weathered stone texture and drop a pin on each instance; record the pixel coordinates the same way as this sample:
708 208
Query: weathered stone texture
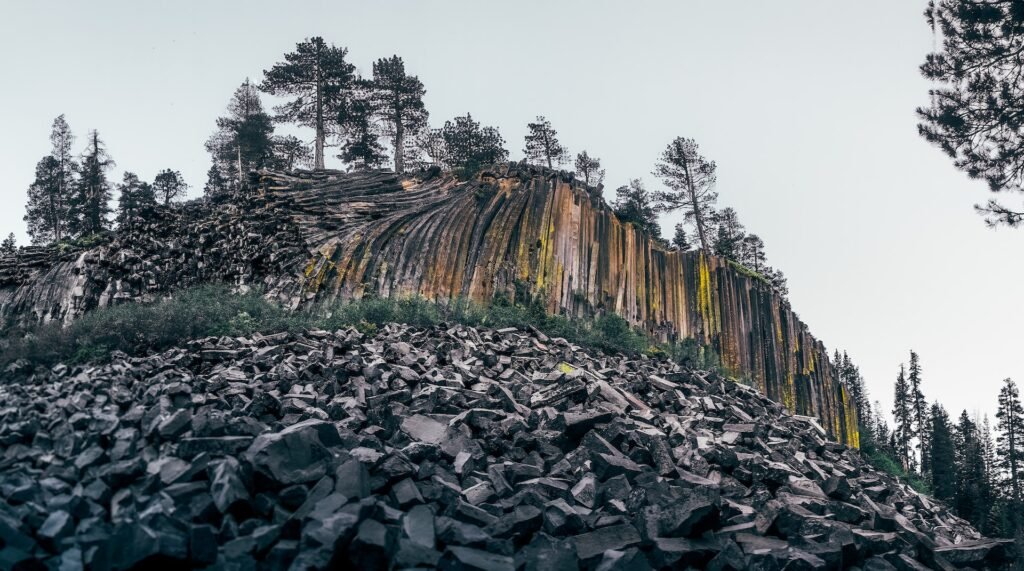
318 450
522 230
513 231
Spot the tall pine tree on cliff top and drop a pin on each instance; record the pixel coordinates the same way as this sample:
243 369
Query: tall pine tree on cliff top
319 78
691 179
48 211
589 169
398 102
542 144
46 215
243 139
90 204
61 141
978 98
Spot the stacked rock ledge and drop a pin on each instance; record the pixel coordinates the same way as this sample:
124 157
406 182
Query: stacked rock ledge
514 229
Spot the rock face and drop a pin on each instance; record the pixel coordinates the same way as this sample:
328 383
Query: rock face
502 450
513 231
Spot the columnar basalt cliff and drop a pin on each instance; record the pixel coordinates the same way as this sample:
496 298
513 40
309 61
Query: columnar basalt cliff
522 230
512 231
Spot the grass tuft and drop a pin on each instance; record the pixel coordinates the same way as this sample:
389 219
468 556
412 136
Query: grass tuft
213 310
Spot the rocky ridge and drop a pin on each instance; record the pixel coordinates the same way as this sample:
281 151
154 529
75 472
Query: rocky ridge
513 230
448 447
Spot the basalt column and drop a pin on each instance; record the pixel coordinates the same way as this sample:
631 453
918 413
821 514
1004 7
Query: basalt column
521 229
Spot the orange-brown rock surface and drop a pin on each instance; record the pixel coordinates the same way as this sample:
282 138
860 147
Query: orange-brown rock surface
520 228
513 230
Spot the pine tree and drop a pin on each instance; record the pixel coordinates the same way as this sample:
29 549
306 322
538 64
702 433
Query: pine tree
919 411
467 147
45 218
978 97
319 78
680 240
242 141
849 375
881 431
289 152
9 246
730 234
943 455
542 144
633 203
61 141
90 204
971 486
989 478
855 382
589 169
1010 441
361 146
777 280
216 184
690 179
398 101
48 210
752 252
169 185
903 416
136 199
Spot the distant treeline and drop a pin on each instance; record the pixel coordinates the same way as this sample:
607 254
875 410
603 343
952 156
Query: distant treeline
956 460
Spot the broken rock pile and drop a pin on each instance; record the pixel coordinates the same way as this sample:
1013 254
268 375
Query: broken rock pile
452 448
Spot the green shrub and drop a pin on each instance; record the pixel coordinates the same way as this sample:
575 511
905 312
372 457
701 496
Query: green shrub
213 310
611 331
137 328
692 354
886 463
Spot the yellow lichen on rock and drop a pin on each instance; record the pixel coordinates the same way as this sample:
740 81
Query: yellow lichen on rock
535 232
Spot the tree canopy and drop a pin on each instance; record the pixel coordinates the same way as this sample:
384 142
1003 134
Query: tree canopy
635 204
464 146
398 102
243 139
690 179
90 204
976 115
318 77
542 144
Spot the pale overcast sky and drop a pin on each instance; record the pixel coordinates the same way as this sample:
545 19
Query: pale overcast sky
807 107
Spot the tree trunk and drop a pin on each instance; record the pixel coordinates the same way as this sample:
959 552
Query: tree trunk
399 145
1012 442
696 210
547 148
319 151
56 203
239 150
